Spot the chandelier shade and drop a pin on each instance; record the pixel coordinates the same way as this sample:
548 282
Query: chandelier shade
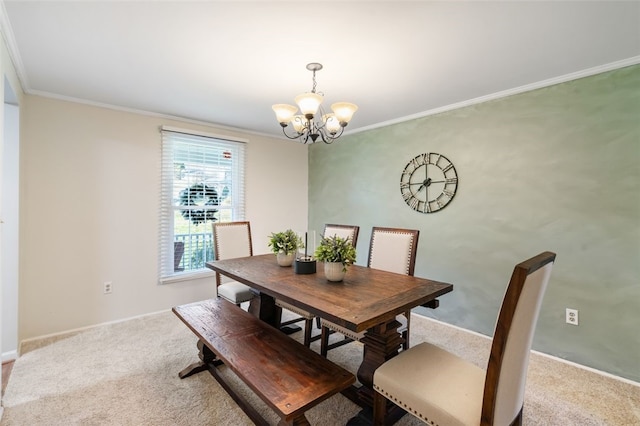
344 111
298 123
309 103
284 112
312 122
332 124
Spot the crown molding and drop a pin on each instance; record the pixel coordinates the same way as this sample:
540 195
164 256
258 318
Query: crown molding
12 48
634 60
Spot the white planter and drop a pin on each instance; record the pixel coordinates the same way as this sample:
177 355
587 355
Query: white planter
333 271
285 259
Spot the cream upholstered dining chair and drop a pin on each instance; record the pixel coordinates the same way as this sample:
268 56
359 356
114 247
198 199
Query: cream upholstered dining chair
231 240
440 388
342 231
391 250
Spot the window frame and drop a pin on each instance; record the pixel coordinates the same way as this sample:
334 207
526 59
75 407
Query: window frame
169 137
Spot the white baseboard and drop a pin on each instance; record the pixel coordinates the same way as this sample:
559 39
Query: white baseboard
9 356
76 330
555 358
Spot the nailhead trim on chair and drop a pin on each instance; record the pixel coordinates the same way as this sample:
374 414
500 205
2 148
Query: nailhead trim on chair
406 271
403 405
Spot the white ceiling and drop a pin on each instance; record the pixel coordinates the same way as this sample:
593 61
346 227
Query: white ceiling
227 62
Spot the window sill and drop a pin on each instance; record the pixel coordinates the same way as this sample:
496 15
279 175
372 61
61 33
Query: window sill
187 276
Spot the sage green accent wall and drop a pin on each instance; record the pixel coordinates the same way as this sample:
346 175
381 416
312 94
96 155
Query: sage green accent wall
553 169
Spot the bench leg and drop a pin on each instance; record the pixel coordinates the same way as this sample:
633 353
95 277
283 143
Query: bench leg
207 357
192 369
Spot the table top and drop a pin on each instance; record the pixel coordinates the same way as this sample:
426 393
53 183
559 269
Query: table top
365 298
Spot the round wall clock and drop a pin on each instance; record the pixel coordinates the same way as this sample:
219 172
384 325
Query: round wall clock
429 182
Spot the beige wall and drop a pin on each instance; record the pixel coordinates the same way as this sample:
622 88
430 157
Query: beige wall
90 181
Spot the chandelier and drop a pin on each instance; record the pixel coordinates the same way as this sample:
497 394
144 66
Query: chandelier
313 122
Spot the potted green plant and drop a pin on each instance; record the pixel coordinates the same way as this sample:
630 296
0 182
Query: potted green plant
284 245
337 253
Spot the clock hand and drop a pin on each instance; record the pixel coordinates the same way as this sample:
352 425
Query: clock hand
425 184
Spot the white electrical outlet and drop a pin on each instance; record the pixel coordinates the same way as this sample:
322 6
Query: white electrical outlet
571 316
107 287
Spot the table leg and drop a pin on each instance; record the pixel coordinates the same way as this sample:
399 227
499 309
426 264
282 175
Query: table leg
381 343
264 307
300 420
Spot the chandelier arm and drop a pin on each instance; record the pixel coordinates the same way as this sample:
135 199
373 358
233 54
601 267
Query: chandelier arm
296 136
329 138
301 136
325 138
338 134
305 140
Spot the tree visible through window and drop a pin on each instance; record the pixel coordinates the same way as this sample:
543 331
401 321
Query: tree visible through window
202 183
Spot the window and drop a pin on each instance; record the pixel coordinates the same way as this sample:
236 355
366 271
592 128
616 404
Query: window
202 182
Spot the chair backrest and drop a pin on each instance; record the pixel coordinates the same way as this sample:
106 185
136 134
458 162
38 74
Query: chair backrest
231 240
507 367
342 231
393 249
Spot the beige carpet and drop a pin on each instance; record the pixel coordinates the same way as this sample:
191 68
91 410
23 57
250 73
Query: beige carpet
126 374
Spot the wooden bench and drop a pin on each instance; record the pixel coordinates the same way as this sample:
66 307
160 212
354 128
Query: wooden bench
289 377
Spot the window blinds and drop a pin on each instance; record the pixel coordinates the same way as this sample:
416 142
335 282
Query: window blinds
202 181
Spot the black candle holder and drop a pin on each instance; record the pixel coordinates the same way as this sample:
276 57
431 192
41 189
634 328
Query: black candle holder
305 265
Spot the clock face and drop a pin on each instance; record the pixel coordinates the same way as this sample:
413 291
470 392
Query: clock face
428 182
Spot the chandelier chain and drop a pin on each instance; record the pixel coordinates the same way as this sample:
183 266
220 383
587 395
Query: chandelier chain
313 89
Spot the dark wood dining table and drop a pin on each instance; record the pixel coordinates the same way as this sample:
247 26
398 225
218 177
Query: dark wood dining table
366 300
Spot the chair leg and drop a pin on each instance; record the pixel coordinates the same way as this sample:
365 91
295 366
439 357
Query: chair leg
308 325
318 322
379 408
324 342
405 334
